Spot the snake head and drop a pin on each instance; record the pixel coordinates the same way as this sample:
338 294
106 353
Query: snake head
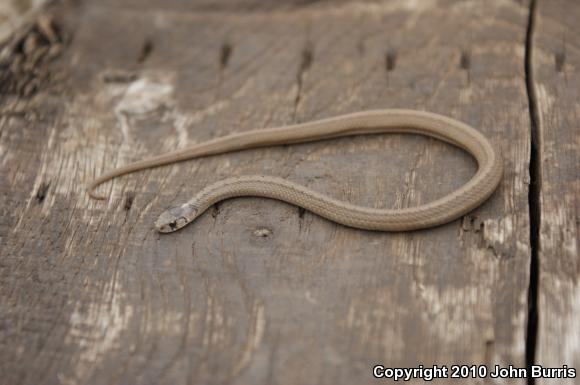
175 218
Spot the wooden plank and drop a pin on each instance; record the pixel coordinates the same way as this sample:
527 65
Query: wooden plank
555 63
257 291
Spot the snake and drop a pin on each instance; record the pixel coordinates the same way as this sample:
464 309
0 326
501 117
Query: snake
438 212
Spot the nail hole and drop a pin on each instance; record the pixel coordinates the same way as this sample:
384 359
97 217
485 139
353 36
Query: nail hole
390 60
146 50
465 60
129 198
42 191
225 54
559 60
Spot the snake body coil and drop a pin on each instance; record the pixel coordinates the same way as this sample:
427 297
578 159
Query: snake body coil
440 211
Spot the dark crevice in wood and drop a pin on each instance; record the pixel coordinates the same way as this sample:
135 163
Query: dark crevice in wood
390 60
119 76
559 60
533 198
307 56
215 210
465 60
301 212
465 63
146 50
225 54
489 348
305 63
42 192
129 198
390 63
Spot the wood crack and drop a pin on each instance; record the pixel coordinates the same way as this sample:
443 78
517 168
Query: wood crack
305 63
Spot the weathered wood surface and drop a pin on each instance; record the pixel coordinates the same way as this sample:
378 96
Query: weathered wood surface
257 291
15 13
555 64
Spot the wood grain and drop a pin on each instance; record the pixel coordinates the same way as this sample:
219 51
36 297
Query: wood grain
556 60
257 291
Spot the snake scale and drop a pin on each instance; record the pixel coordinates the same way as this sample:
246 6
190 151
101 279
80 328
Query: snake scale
440 211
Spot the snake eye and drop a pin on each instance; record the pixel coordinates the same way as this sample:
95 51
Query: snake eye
173 225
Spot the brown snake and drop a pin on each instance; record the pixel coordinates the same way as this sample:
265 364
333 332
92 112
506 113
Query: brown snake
440 211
